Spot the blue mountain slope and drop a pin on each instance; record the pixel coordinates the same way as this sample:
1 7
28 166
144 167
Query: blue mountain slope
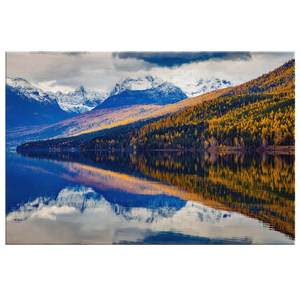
22 110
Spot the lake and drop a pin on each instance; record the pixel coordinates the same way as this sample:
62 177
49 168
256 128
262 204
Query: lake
149 198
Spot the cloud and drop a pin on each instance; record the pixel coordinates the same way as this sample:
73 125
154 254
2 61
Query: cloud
276 51
40 67
66 71
177 59
131 64
93 69
61 51
54 86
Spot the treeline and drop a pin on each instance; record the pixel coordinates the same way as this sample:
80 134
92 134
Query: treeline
61 143
77 142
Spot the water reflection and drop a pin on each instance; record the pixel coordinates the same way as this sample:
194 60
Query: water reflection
261 187
115 198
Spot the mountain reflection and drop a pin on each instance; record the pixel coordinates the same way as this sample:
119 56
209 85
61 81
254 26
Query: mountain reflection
81 198
131 209
258 186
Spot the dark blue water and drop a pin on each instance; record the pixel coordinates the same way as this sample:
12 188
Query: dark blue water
132 199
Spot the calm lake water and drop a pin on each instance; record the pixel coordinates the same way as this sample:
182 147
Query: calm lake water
149 198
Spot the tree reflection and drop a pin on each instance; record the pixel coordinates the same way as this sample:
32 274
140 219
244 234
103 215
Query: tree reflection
262 187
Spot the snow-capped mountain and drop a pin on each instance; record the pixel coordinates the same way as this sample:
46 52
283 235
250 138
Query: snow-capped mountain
22 87
81 100
143 91
136 84
202 86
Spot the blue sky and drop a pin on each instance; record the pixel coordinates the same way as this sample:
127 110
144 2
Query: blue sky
65 71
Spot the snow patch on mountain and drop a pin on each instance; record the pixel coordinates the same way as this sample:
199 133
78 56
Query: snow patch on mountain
136 84
201 86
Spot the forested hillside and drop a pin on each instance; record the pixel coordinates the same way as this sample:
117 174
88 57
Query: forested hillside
280 80
258 113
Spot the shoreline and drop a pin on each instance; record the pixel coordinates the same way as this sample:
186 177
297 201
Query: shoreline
268 150
218 150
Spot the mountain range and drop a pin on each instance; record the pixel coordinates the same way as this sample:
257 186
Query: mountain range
128 91
34 114
192 88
